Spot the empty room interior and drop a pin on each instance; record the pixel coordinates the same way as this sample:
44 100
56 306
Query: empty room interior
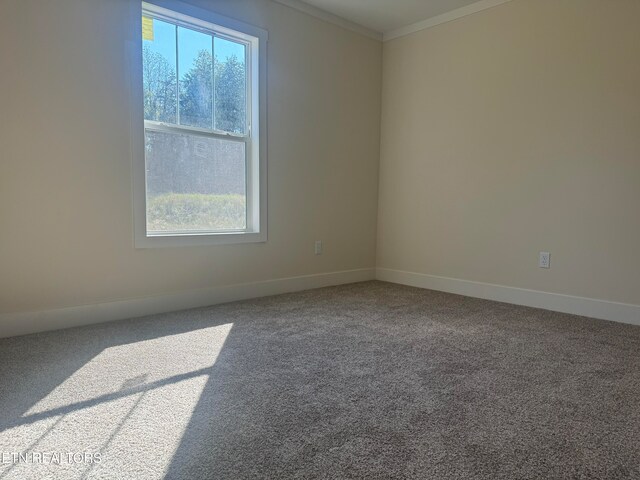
332 239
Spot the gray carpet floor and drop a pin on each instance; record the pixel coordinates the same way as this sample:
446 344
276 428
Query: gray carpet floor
370 380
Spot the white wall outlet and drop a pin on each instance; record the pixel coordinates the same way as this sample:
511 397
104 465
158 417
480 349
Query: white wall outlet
545 260
318 247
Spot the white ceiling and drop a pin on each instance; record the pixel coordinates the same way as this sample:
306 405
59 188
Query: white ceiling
386 15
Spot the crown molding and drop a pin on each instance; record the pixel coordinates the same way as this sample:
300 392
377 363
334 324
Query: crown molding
331 18
444 18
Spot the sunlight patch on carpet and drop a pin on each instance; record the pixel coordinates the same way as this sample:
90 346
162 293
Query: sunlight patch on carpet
124 411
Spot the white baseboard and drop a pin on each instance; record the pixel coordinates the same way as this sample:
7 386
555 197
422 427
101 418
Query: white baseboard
587 307
21 323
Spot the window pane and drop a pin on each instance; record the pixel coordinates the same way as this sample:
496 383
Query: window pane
159 72
194 183
231 86
195 67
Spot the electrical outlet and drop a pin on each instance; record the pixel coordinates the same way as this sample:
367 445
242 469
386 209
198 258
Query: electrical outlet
318 247
545 260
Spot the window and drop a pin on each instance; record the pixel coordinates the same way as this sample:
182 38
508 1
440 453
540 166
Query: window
200 176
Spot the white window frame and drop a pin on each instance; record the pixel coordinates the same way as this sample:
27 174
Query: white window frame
255 38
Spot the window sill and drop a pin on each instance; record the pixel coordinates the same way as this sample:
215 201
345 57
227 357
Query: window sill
163 241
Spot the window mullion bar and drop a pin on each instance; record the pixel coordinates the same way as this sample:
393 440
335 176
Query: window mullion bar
182 130
213 81
177 80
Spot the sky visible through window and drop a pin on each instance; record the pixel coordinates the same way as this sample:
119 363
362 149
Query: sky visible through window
193 78
191 42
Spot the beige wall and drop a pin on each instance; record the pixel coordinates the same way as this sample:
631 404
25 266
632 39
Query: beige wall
66 228
505 133
513 131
